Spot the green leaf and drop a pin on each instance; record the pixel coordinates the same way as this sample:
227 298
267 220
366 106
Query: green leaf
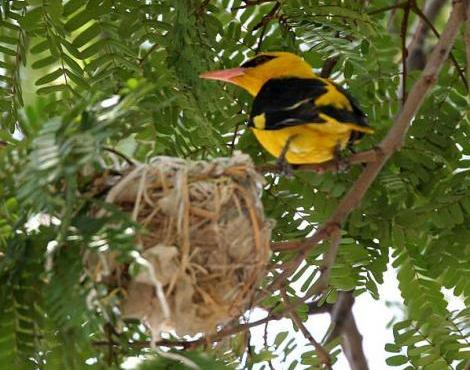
396 360
77 21
280 337
50 77
45 62
87 35
51 89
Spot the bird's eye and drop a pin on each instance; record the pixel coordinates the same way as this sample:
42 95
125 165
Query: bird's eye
256 61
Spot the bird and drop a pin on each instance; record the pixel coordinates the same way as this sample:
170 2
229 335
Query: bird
297 116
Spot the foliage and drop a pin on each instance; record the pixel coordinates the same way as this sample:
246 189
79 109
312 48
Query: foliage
174 363
81 79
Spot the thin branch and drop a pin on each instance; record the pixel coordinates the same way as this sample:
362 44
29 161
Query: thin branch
423 16
404 50
265 338
387 8
272 14
147 54
303 247
249 3
234 139
322 354
328 66
261 39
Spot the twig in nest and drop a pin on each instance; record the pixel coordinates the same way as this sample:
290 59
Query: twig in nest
322 354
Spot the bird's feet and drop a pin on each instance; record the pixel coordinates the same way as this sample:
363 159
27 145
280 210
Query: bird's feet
284 167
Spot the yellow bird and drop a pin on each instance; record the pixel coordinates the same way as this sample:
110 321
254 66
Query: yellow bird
296 115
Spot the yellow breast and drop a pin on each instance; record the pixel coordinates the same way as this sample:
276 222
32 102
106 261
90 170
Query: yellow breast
311 143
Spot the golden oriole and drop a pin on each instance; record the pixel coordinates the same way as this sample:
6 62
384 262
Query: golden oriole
295 113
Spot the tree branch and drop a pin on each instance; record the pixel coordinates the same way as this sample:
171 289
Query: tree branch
328 66
272 14
352 344
416 57
339 312
425 19
343 324
322 354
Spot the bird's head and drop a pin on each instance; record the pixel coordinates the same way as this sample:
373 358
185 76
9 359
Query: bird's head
252 74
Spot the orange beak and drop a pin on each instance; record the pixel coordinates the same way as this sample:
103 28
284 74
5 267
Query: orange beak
226 75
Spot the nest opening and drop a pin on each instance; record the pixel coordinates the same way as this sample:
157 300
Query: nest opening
204 244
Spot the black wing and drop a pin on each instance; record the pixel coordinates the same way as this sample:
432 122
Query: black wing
291 101
288 102
362 118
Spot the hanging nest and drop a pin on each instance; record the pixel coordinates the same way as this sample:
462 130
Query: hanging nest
204 242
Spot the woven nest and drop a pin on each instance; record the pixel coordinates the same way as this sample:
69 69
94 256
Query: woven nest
204 242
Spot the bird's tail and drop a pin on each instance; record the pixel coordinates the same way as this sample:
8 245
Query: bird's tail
359 128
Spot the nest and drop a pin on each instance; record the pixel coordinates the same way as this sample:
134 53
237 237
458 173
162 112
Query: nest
204 242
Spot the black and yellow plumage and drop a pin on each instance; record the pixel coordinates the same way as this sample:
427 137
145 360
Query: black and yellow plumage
294 109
